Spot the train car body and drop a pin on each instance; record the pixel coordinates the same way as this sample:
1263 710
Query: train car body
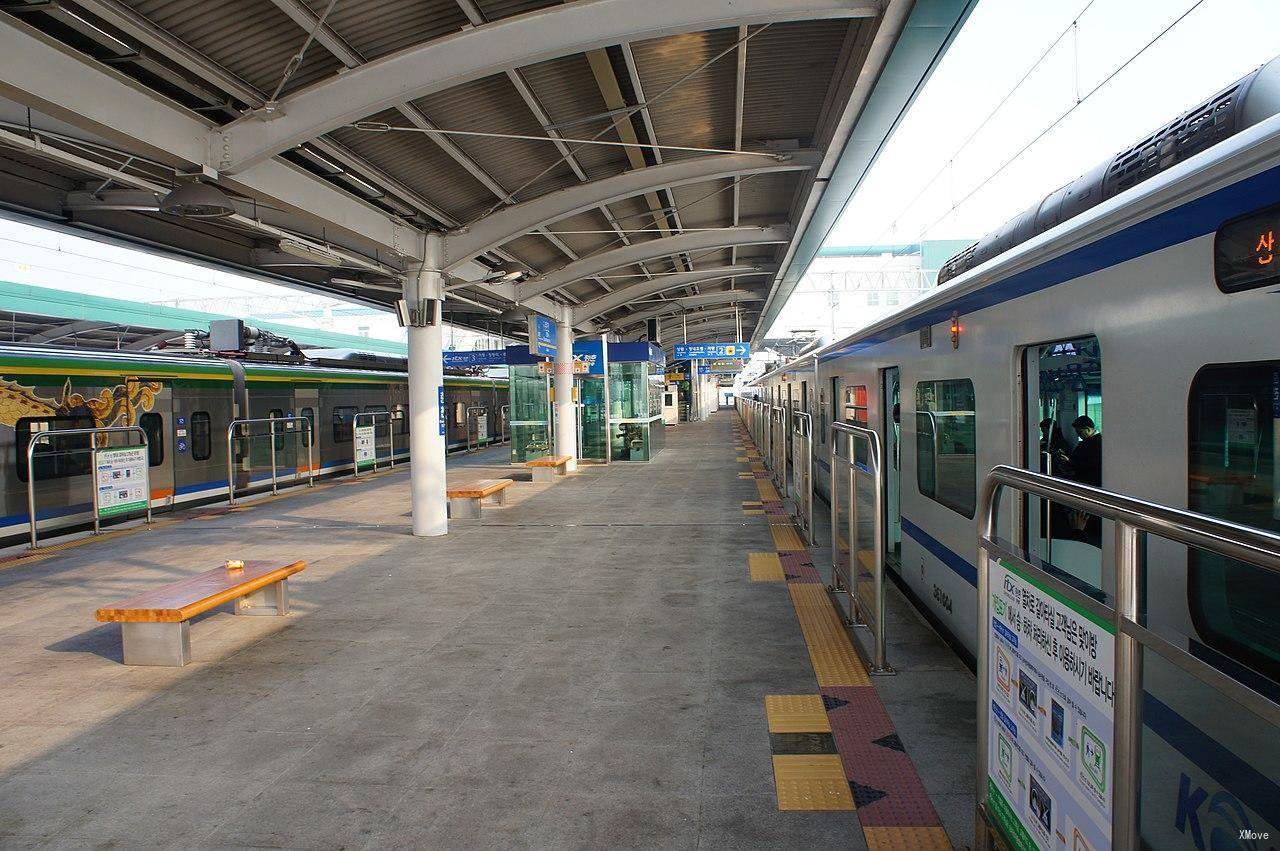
185 405
1153 314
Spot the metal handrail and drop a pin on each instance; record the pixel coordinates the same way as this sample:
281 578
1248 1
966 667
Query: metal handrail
880 664
92 449
466 420
937 447
391 438
778 448
1132 517
271 433
802 425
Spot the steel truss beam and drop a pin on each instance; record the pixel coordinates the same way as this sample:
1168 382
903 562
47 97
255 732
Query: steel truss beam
637 292
653 250
507 224
472 54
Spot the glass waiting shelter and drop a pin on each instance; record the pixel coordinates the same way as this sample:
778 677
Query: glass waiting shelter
636 378
530 400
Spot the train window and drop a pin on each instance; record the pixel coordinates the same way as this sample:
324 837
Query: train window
1233 413
308 414
855 404
55 457
153 425
343 423
1063 438
278 442
1245 253
201 436
946 443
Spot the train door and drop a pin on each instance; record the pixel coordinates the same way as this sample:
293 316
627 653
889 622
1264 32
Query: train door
1062 430
890 406
307 402
149 404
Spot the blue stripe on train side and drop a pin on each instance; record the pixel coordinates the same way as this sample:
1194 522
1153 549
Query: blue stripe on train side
959 565
1194 219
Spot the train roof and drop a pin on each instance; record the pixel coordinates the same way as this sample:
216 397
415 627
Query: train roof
79 360
970 289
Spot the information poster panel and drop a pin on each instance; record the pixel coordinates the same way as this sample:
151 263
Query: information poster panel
121 476
366 448
482 428
1049 763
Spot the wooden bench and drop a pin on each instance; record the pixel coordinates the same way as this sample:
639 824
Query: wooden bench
155 626
546 469
465 500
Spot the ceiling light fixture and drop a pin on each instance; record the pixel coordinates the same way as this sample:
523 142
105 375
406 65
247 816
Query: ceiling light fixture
197 201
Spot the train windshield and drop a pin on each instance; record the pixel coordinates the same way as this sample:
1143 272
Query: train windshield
1232 436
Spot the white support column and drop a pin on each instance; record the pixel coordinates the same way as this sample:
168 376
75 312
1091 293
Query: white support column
426 400
566 419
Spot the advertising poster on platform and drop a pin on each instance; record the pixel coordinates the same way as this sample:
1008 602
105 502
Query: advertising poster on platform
365 446
1049 763
120 474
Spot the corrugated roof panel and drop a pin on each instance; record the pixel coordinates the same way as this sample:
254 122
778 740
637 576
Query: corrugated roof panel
536 252
375 28
494 9
251 38
699 208
421 165
568 91
699 112
493 105
789 70
766 199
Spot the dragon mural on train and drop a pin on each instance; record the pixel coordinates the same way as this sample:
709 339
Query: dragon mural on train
113 406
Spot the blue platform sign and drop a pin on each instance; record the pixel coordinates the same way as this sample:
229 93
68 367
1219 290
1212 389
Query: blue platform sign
480 357
542 336
704 369
440 408
708 351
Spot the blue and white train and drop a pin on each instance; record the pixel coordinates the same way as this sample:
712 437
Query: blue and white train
1144 296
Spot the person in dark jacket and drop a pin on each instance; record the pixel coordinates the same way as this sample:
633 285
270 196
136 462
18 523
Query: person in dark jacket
1084 464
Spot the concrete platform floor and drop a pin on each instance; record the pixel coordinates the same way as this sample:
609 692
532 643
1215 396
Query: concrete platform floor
584 667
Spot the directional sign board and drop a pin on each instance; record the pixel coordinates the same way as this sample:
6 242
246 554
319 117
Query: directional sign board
710 351
120 474
480 357
1049 763
542 336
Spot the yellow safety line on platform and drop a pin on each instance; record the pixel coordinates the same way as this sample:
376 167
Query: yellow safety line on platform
752 503
785 537
906 838
811 782
765 567
753 512
796 713
768 492
835 662
741 459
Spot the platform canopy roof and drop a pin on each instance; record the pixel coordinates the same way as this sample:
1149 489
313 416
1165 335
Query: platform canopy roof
573 154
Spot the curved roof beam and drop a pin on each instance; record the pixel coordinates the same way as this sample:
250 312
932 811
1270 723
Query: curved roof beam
472 54
654 249
663 283
675 305
504 225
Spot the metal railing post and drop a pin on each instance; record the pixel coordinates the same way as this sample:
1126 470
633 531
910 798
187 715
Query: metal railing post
311 442
1131 518
1127 765
504 426
231 464
872 614
271 431
92 433
467 420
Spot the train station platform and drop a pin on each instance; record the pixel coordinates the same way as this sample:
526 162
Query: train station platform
633 655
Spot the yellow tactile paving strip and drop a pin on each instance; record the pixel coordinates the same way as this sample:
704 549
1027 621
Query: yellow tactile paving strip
811 782
752 503
742 459
906 839
835 662
765 567
768 492
785 537
796 713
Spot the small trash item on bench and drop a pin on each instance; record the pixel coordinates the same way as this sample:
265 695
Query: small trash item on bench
234 566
